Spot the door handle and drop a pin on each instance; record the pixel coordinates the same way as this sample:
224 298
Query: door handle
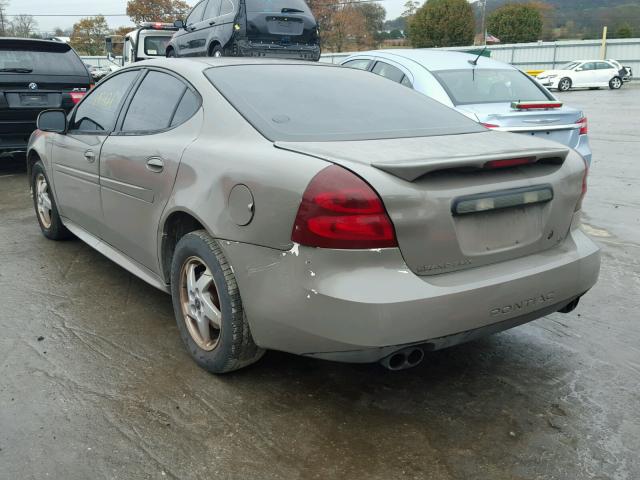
90 156
212 22
155 164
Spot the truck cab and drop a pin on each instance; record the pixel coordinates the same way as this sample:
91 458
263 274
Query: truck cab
146 42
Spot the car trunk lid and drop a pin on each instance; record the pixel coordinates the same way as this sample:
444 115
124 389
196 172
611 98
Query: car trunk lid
449 210
558 124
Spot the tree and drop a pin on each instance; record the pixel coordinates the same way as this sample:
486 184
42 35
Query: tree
4 23
516 23
346 25
442 23
374 15
156 10
87 37
410 7
624 31
24 26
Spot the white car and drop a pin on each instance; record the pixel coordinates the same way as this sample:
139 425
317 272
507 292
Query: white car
583 74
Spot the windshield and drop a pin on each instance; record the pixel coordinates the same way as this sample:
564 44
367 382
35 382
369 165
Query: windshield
156 46
325 103
276 6
569 66
39 62
489 86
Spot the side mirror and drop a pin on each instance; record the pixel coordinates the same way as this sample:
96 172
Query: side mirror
178 24
52 121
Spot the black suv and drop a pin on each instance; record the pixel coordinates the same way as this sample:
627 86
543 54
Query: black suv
247 28
35 75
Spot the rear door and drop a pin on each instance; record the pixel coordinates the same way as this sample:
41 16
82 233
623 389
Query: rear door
76 155
139 162
193 42
605 72
585 75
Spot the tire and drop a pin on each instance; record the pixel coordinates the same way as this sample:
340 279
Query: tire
564 84
45 205
210 300
216 51
615 83
171 53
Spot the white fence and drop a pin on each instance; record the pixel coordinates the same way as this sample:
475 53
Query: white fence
548 55
99 61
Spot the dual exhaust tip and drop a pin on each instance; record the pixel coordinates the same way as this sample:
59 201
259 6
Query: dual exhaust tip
402 359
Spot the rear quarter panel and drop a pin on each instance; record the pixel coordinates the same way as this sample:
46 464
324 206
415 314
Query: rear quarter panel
230 152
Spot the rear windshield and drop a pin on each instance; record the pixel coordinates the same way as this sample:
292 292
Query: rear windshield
39 62
276 6
156 46
324 103
489 86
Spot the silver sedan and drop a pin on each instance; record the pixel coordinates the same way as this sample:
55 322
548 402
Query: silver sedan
493 93
313 209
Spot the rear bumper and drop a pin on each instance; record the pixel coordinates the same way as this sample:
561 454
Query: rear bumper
14 143
247 48
360 306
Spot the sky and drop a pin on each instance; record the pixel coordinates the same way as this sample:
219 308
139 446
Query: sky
83 7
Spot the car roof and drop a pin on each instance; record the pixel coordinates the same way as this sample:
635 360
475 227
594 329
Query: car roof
35 43
208 62
436 59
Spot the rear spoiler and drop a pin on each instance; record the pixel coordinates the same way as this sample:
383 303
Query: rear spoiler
412 169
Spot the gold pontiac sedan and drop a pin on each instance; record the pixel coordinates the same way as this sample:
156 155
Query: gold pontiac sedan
313 209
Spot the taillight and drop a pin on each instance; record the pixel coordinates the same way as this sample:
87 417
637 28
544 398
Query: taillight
584 127
340 210
584 186
489 125
509 162
77 96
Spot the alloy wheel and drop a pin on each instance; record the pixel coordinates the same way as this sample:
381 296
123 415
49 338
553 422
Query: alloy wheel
43 200
200 303
565 85
616 83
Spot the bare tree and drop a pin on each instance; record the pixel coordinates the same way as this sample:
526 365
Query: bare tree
24 25
3 18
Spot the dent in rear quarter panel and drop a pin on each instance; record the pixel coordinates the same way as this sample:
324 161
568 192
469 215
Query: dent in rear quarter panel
230 152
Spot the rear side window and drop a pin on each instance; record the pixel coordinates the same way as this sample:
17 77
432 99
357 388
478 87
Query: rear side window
603 66
98 112
487 85
213 9
388 71
360 64
326 103
41 62
227 7
189 104
196 14
154 103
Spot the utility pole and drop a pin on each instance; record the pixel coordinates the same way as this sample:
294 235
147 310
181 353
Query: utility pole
603 47
484 28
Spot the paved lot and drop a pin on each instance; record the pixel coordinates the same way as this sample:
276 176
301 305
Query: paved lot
94 382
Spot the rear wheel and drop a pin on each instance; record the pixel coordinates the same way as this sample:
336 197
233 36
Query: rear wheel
564 84
208 307
615 83
45 205
216 51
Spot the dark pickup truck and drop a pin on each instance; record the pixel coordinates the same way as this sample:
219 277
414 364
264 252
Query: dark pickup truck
35 75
